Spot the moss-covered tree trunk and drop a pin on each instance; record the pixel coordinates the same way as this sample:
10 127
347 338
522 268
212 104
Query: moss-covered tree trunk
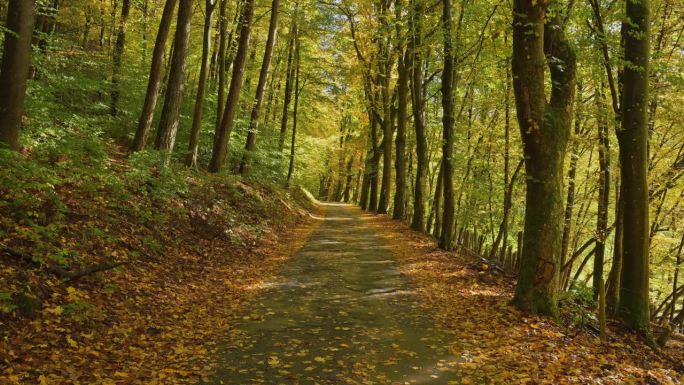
545 130
14 69
633 308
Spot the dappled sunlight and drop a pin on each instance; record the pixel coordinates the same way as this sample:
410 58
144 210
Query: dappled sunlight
497 344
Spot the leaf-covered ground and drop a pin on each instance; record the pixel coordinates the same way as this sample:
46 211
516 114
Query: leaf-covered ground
195 252
499 345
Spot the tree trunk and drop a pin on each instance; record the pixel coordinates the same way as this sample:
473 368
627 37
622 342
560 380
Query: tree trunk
418 221
400 142
502 236
633 307
156 73
365 183
374 167
350 176
250 145
603 195
384 70
14 69
289 77
103 24
118 56
613 292
145 15
170 115
193 146
544 144
298 90
570 194
222 137
436 208
445 239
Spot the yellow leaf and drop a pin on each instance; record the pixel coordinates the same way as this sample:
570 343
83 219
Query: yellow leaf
71 342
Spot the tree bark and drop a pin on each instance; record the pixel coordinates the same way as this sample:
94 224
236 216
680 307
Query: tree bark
118 56
418 221
445 239
545 129
250 145
603 196
400 141
14 69
156 73
298 90
193 146
222 137
170 115
385 71
289 79
633 307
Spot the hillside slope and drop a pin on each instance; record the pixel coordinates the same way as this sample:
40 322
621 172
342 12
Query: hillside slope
118 270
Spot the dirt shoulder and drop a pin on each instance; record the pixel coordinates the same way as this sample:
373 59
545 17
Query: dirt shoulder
500 345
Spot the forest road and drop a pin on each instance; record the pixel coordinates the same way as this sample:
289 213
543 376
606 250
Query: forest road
339 312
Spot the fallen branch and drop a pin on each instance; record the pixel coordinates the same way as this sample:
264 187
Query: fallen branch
489 262
65 275
70 276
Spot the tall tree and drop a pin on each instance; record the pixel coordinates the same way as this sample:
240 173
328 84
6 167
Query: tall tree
445 239
222 136
385 64
118 56
289 78
604 192
545 129
170 115
415 27
633 307
298 90
250 145
16 58
400 144
193 146
154 80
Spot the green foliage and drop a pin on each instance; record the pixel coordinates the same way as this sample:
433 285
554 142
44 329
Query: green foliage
578 304
6 303
150 175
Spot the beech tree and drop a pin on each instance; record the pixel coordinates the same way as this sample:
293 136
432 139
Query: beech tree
250 145
222 135
193 146
170 115
117 56
634 303
154 80
16 57
545 129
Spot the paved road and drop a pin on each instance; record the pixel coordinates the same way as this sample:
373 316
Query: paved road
339 313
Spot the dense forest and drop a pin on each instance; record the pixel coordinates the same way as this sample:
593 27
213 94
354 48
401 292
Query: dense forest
543 139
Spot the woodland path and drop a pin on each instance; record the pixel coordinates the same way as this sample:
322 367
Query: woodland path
338 313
